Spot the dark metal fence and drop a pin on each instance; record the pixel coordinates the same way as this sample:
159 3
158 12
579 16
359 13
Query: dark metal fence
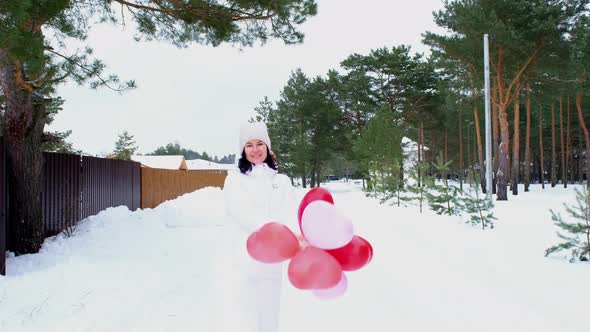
107 183
60 197
74 187
3 208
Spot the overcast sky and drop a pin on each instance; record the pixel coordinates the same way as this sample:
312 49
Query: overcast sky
199 96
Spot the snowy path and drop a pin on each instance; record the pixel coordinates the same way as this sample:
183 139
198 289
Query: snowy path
155 270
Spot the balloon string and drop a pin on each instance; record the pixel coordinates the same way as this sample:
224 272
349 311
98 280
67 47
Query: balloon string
302 241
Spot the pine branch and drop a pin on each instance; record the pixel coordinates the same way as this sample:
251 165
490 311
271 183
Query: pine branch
90 73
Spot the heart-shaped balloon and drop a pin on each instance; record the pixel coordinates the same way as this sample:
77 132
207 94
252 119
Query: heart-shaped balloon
272 243
313 268
356 254
315 194
323 226
332 292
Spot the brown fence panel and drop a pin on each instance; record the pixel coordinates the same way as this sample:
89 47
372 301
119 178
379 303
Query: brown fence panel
3 208
160 185
108 183
60 197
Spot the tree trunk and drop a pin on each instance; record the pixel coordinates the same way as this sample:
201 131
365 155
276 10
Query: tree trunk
553 148
495 144
420 148
318 170
482 170
527 144
446 175
302 156
503 147
516 147
468 146
303 180
542 162
563 170
24 121
504 155
568 150
586 136
446 148
460 150
580 144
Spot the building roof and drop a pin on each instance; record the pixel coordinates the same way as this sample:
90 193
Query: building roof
165 162
202 164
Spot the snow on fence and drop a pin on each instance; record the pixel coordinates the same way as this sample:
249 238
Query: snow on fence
74 187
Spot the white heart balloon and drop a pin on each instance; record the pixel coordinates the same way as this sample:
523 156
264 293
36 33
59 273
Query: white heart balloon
325 227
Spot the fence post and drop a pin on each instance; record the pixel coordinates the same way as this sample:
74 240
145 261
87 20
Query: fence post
3 208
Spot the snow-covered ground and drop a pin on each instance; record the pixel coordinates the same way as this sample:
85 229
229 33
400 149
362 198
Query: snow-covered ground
158 270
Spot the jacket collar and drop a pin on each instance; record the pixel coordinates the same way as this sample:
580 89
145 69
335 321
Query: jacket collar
261 170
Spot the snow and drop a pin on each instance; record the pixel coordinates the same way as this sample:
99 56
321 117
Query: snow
202 164
410 150
159 270
164 162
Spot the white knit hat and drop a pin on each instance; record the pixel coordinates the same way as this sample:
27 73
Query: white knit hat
250 131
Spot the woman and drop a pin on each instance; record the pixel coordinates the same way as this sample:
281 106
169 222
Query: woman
255 195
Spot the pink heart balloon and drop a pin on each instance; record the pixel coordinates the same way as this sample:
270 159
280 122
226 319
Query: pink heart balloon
325 227
313 268
272 243
332 292
315 194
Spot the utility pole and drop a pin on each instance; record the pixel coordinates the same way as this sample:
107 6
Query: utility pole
486 70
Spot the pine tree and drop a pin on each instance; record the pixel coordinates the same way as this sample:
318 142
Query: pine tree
263 111
38 52
394 185
170 149
442 198
379 148
229 159
57 143
125 146
476 205
418 183
577 233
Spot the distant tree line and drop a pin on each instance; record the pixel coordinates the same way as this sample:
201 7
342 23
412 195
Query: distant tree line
125 147
176 149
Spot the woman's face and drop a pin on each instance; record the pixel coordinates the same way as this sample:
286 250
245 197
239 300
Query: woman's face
255 151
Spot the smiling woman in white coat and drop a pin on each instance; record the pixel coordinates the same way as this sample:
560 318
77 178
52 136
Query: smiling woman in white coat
256 194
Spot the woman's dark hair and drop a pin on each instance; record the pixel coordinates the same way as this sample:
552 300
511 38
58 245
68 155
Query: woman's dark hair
245 166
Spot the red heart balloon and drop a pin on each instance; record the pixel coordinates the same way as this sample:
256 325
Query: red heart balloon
313 268
314 194
356 254
272 243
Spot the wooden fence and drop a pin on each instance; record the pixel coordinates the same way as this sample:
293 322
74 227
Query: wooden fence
160 185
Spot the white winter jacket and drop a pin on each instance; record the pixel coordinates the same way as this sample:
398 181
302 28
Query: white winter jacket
254 199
